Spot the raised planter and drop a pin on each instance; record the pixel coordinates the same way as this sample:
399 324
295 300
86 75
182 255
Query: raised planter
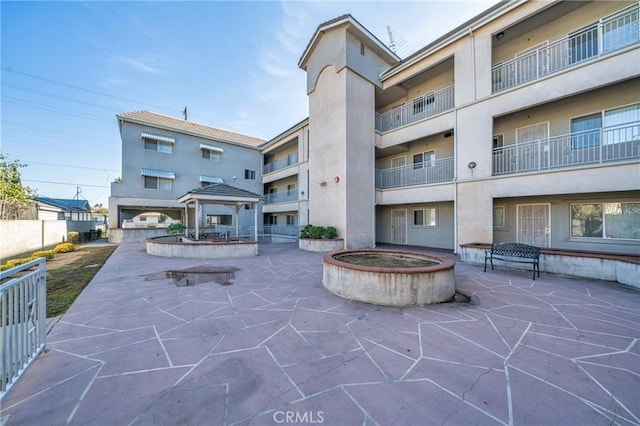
179 246
321 245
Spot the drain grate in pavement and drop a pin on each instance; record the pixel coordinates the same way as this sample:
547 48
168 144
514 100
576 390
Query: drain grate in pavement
222 275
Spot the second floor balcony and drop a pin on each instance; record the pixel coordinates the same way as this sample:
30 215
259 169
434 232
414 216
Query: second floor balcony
437 171
416 110
280 163
591 147
605 36
287 196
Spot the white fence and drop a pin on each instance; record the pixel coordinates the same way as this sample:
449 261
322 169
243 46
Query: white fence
23 319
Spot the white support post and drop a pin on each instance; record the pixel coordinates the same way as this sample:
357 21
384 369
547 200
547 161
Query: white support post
195 215
255 221
237 225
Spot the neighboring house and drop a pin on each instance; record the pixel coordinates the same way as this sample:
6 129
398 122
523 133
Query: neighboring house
522 124
63 209
163 158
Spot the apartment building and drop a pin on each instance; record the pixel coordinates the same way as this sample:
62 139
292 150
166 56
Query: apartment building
163 158
522 124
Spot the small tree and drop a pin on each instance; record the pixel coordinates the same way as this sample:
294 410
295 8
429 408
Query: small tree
15 199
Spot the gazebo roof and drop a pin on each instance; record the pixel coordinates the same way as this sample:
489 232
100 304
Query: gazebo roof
220 193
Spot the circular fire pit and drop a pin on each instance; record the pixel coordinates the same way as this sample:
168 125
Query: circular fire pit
389 277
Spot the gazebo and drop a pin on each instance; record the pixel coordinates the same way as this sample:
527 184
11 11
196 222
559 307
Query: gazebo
220 193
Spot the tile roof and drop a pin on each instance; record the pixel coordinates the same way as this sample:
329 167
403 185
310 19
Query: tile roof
223 190
170 123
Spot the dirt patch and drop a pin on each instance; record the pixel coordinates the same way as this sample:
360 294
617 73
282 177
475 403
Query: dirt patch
64 259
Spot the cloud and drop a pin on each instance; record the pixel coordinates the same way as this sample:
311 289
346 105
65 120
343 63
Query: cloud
137 65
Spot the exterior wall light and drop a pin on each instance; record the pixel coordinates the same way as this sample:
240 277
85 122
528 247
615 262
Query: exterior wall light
472 165
323 183
500 35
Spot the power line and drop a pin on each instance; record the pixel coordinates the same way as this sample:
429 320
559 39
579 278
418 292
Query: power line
65 183
53 95
49 108
70 166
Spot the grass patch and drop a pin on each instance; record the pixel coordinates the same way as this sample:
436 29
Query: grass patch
65 283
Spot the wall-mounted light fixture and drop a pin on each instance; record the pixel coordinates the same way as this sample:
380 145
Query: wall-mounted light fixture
500 35
472 165
323 183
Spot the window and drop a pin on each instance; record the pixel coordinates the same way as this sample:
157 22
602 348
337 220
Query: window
160 146
425 217
424 103
585 131
272 220
418 105
620 30
249 174
208 154
291 190
424 159
499 217
583 44
498 141
161 184
606 220
219 219
621 124
291 219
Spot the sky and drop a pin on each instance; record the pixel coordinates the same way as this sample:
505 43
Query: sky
68 68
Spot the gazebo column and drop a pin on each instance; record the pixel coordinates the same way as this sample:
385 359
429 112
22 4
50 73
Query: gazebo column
237 224
197 218
255 221
186 218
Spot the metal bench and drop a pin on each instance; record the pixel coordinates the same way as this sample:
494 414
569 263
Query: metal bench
514 252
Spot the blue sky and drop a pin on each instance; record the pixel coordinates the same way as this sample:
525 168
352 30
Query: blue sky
69 67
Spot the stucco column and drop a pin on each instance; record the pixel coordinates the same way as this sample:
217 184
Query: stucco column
197 219
255 221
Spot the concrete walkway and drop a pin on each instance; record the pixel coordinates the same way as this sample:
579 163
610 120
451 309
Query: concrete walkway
263 343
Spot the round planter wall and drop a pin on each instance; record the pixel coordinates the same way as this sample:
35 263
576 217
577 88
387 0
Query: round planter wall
309 244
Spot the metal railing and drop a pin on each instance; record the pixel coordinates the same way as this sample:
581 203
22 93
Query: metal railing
614 143
416 109
416 174
280 163
609 34
23 314
291 194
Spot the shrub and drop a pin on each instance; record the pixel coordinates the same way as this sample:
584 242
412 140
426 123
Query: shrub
99 233
175 228
47 254
318 232
73 237
14 262
86 236
64 248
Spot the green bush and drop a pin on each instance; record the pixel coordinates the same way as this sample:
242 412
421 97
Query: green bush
47 254
175 228
99 233
14 262
318 232
64 248
73 237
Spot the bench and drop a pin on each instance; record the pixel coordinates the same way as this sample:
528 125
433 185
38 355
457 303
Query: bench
514 252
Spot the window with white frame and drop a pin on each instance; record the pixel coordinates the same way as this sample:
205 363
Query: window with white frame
209 154
424 159
291 190
161 184
159 146
219 219
499 217
291 219
427 217
610 220
249 174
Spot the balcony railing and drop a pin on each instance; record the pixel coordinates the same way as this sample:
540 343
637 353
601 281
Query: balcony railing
280 163
282 197
23 314
417 109
616 143
607 35
416 174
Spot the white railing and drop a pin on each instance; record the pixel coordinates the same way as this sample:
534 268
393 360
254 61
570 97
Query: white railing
23 313
291 194
609 34
280 163
616 143
415 110
280 230
416 174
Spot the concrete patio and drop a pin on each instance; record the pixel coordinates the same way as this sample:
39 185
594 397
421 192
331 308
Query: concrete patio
263 343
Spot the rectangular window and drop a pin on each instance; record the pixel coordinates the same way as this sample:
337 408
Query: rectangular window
583 44
585 131
208 154
219 219
606 220
499 217
249 174
620 30
498 141
161 184
160 146
425 217
291 219
291 190
424 159
272 220
621 124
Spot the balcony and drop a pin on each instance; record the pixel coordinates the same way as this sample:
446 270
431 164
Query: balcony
608 35
416 174
416 110
284 197
280 163
615 143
